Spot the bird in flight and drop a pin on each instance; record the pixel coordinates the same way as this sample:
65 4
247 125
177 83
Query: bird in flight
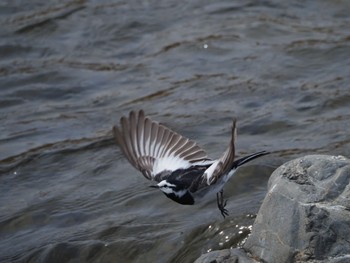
183 171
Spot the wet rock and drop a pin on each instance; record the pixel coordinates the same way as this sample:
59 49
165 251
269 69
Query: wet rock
305 216
225 256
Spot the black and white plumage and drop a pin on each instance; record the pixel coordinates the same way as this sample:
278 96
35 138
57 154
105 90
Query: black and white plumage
182 169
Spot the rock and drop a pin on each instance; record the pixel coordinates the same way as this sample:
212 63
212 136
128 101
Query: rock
225 256
305 216
306 213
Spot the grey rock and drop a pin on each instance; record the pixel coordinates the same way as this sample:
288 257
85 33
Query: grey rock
226 256
305 216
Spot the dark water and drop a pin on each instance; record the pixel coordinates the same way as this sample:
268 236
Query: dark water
70 69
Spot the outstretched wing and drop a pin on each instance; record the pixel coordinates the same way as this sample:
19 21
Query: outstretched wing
153 148
223 165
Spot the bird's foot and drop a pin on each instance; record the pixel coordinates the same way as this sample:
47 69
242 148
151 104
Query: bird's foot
221 203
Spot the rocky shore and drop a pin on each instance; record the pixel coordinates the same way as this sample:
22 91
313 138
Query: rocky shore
305 216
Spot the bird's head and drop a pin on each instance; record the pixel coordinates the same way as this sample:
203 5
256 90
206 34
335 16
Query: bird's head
167 187
176 191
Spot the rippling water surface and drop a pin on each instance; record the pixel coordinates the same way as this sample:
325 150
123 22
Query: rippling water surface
70 69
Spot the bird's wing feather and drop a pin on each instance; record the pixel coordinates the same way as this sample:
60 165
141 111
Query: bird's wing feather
223 165
153 148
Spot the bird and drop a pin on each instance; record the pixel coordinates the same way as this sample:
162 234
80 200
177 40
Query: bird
181 169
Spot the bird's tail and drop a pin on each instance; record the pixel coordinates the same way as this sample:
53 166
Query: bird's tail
248 158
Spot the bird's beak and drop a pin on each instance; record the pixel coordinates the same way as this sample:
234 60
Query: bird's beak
154 186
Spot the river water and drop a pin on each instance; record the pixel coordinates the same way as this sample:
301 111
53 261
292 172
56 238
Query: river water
70 69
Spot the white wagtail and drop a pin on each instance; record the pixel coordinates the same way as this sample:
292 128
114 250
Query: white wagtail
181 168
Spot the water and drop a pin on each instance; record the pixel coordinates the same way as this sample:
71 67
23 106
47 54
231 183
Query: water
70 69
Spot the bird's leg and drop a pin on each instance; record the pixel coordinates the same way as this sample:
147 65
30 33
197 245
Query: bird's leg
221 203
